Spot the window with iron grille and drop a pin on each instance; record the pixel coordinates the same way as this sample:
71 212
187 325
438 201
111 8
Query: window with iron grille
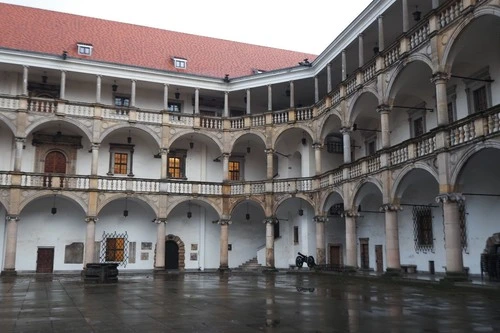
114 248
463 226
336 209
422 225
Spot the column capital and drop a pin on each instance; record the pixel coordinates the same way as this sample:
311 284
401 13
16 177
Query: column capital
270 220
226 155
269 150
160 220
133 80
345 130
320 219
164 151
91 219
224 222
12 217
19 139
450 197
384 108
165 84
317 145
440 76
95 145
388 207
349 213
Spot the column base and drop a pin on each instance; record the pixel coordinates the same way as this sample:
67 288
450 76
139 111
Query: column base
452 277
224 270
350 269
9 272
269 270
392 272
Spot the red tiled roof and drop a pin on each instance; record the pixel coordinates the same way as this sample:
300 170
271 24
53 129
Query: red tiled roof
31 29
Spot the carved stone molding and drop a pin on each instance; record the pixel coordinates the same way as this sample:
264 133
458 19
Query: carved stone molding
270 220
320 219
450 197
224 222
160 220
440 76
12 218
91 219
390 208
349 213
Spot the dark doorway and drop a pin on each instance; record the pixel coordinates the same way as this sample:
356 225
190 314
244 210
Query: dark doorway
171 255
45 260
379 258
365 259
336 254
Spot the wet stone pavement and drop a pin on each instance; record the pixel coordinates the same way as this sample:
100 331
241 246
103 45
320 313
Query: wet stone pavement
240 303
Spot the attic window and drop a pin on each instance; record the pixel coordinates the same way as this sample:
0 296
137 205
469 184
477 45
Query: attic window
84 49
180 63
258 71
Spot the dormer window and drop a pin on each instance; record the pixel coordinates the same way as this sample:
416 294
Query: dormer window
180 63
84 49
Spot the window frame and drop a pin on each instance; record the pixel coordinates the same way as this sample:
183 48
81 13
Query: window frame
415 115
371 140
121 149
180 63
181 154
82 48
237 159
295 235
111 251
471 86
123 97
451 98
176 103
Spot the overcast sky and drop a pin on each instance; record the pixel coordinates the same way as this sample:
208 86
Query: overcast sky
298 25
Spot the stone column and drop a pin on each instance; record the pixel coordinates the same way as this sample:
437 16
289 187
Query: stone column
361 50
344 65
292 95
380 33
165 96
10 245
384 111
270 222
98 89
161 225
164 163
132 93
346 135
320 239
224 242
25 80
440 80
329 77
392 238
316 89
350 239
452 233
62 90
89 240
248 102
197 101
226 104
406 22
225 166
270 159
269 98
95 159
19 153
317 157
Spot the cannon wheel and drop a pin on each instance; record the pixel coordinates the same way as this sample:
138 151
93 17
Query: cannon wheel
310 262
299 261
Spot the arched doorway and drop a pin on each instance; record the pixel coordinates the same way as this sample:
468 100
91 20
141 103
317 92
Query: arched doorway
55 162
171 255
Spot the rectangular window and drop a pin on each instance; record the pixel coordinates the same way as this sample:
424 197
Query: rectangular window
120 163
422 224
480 99
296 235
451 112
174 167
418 127
371 146
277 229
115 249
234 170
84 49
122 101
479 90
180 63
174 107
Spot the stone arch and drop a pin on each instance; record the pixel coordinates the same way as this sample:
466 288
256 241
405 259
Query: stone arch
326 195
8 123
182 249
448 55
471 151
258 134
214 138
355 98
281 131
141 198
241 200
49 193
289 196
395 191
418 57
141 127
217 209
324 123
359 185
32 127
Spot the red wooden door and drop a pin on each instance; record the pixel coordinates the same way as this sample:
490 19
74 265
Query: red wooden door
55 162
335 255
45 260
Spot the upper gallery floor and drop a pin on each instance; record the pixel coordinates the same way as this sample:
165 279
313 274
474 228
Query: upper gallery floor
353 100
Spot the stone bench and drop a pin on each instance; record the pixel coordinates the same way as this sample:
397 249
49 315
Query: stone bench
409 269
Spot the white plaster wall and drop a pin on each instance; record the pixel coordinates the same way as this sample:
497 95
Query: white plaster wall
255 165
3 236
11 83
138 225
246 236
83 91
330 161
39 228
148 98
335 234
28 159
371 226
200 165
7 147
83 161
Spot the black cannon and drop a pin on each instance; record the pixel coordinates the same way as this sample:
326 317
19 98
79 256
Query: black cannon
301 259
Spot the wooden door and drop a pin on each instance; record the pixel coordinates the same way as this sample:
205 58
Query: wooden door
55 162
45 260
171 255
379 258
335 255
365 258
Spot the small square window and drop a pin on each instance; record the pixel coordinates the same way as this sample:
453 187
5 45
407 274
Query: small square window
84 49
122 101
180 63
174 107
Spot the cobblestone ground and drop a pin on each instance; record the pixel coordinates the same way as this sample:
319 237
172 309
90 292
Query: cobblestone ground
240 303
